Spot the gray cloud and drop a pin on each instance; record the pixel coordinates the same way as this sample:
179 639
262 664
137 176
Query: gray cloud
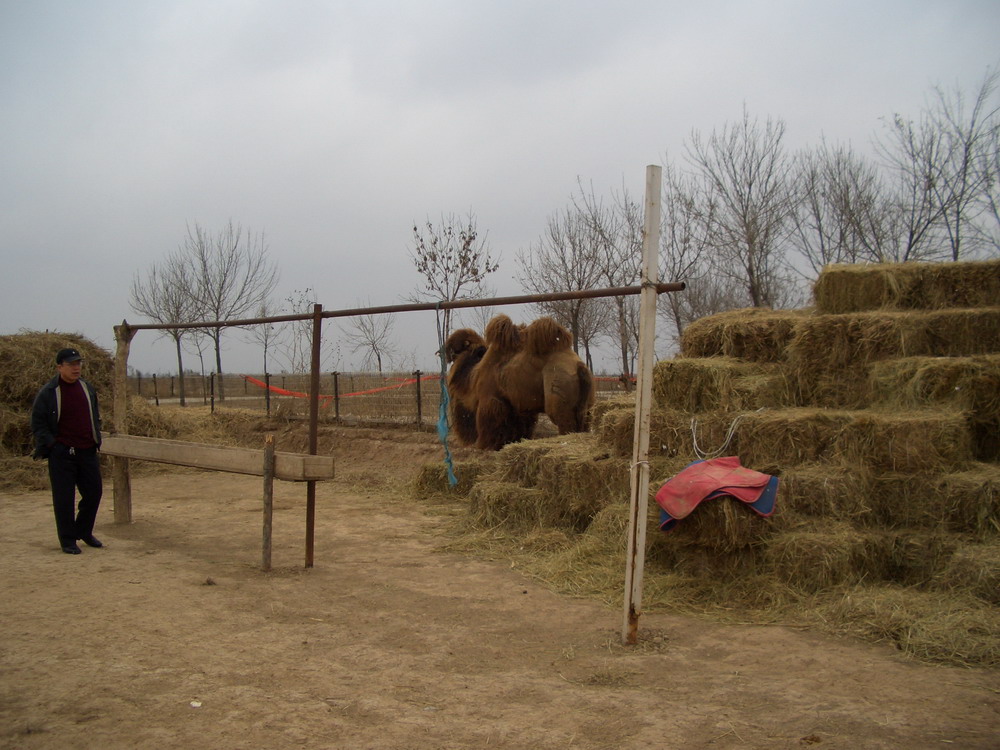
332 126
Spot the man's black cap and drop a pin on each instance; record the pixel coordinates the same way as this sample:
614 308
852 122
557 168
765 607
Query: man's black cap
68 355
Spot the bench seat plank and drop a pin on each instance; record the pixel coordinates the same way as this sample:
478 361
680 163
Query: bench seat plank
296 467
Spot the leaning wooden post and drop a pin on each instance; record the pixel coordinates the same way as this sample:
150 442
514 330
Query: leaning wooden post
313 430
636 541
265 562
119 424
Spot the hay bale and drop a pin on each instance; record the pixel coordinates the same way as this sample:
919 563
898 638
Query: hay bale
851 288
520 462
718 383
973 570
967 384
920 441
964 383
828 491
22 474
432 479
15 432
830 357
582 477
724 524
494 504
756 334
934 625
29 359
819 556
775 440
963 502
915 556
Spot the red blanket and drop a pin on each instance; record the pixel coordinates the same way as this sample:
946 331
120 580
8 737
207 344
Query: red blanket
704 480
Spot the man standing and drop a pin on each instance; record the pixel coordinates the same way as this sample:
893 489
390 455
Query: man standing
67 426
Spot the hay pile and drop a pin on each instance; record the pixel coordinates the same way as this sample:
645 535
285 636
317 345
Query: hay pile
907 286
879 409
29 361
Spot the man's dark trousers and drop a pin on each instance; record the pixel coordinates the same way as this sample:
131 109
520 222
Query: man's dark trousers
69 469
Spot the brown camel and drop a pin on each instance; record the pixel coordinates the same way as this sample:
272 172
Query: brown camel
499 386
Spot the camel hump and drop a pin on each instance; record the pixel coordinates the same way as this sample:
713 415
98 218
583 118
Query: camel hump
461 340
545 336
502 335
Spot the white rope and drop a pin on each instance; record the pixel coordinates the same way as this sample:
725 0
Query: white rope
706 455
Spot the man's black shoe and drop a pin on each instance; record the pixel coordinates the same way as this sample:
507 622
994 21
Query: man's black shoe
91 541
71 549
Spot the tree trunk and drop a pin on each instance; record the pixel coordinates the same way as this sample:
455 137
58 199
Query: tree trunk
218 363
180 370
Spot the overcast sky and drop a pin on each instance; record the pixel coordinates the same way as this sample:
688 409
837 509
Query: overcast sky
332 126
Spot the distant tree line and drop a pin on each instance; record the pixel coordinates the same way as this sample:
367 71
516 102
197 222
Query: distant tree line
746 222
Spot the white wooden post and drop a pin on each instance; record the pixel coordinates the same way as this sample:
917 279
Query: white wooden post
636 540
265 562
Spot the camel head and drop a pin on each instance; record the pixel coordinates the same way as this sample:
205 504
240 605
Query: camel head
460 341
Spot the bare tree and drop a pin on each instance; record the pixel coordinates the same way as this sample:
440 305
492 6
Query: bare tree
453 259
617 235
265 335
566 258
293 347
841 213
166 296
685 247
964 175
234 276
744 169
988 227
371 334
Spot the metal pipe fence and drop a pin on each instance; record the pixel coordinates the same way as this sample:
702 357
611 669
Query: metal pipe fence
353 397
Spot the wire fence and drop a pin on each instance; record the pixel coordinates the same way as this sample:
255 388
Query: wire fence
352 397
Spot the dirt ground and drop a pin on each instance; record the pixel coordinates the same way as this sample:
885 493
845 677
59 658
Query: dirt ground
172 637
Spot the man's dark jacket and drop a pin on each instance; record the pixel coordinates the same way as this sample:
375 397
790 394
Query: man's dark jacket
45 416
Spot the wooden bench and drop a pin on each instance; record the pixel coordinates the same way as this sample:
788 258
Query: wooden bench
294 467
266 462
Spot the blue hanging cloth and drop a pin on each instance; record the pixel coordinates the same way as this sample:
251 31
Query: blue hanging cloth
442 425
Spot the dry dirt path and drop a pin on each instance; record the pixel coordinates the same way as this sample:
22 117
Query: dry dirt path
171 637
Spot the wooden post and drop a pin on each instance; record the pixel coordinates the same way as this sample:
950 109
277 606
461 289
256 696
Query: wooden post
639 479
336 396
265 562
156 391
420 414
317 340
119 423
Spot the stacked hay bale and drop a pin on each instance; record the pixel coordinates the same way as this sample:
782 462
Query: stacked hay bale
28 363
880 411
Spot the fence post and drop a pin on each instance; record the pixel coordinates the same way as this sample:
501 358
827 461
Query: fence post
211 383
265 563
420 411
336 397
156 391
